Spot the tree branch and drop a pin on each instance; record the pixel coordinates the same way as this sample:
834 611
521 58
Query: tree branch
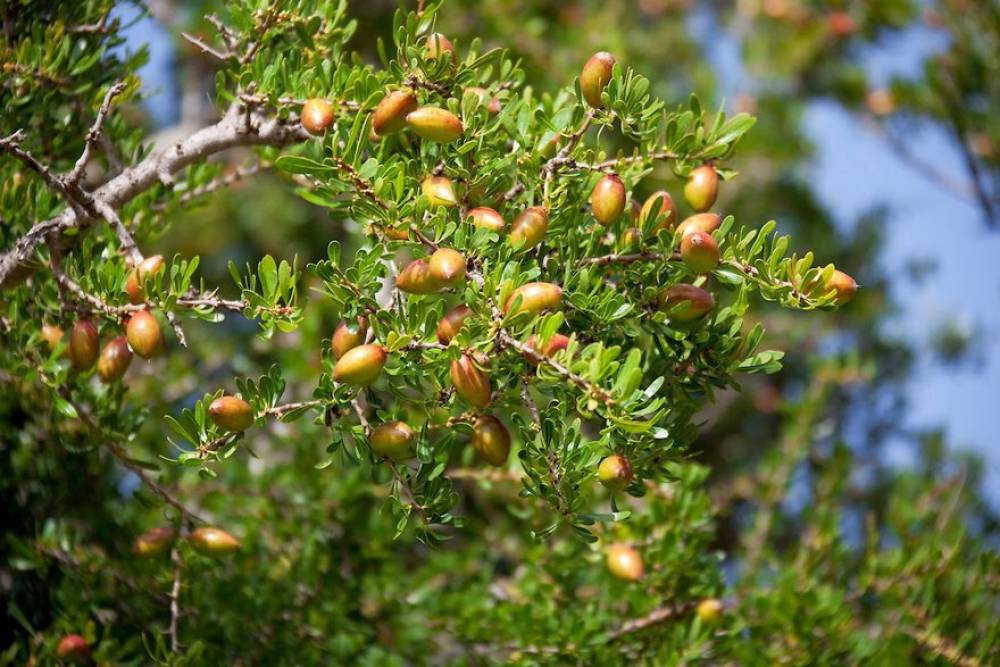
94 135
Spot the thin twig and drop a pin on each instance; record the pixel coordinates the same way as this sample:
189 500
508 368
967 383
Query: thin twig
94 134
175 596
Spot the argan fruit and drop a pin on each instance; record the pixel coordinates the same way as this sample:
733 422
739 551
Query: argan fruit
700 252
491 440
52 335
556 343
231 413
840 24
529 228
607 201
535 297
447 266
361 365
439 191
144 334
389 116
471 383
595 77
114 360
700 222
84 346
213 541
438 45
631 239
880 102
393 440
702 188
416 278
666 214
615 473
316 116
398 233
435 124
709 610
73 648
845 286
154 541
685 303
451 323
492 103
344 339
549 144
624 562
146 268
487 218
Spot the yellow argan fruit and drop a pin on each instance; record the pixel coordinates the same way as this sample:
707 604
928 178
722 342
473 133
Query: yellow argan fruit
666 213
416 278
470 382
699 222
439 191
844 285
615 473
84 346
624 562
316 116
535 297
361 365
595 77
438 45
435 124
52 335
631 239
115 359
488 218
393 440
556 343
398 233
491 440
74 649
607 200
529 228
452 321
147 268
700 252
231 414
685 303
389 116
447 266
709 610
213 541
154 541
344 339
702 188
144 334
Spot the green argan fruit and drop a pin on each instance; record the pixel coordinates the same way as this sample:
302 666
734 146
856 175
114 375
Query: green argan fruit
344 339
624 562
631 239
844 285
556 343
213 541
73 648
607 200
700 252
84 346
451 323
699 222
529 228
316 116
435 124
361 365
488 218
389 116
702 188
615 473
393 440
231 414
491 440
114 360
685 303
535 297
417 278
666 213
154 541
438 45
147 268
439 191
52 335
595 77
447 266
144 334
470 382
709 610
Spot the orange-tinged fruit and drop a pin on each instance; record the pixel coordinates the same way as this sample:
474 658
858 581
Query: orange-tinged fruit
555 343
435 124
488 218
154 541
389 116
607 200
699 222
317 115
535 297
52 335
393 440
146 268
417 278
84 346
439 191
685 303
624 562
615 473
447 266
451 323
529 228
844 285
702 188
398 233
144 334
114 360
491 440
361 365
231 413
437 45
213 541
344 339
709 610
700 252
73 648
595 77
471 383
666 213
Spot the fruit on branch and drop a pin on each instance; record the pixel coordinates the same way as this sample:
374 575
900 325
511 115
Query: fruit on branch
470 382
393 440
709 610
231 413
699 222
451 323
844 285
435 124
447 266
631 239
73 648
438 45
700 252
529 228
84 345
549 144
666 213
140 274
487 218
417 278
114 360
595 77
685 303
344 339
535 297
556 343
491 440
389 116
361 365
841 24
607 201
317 115
213 541
439 191
144 334
154 541
492 103
52 335
702 188
624 562
615 473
